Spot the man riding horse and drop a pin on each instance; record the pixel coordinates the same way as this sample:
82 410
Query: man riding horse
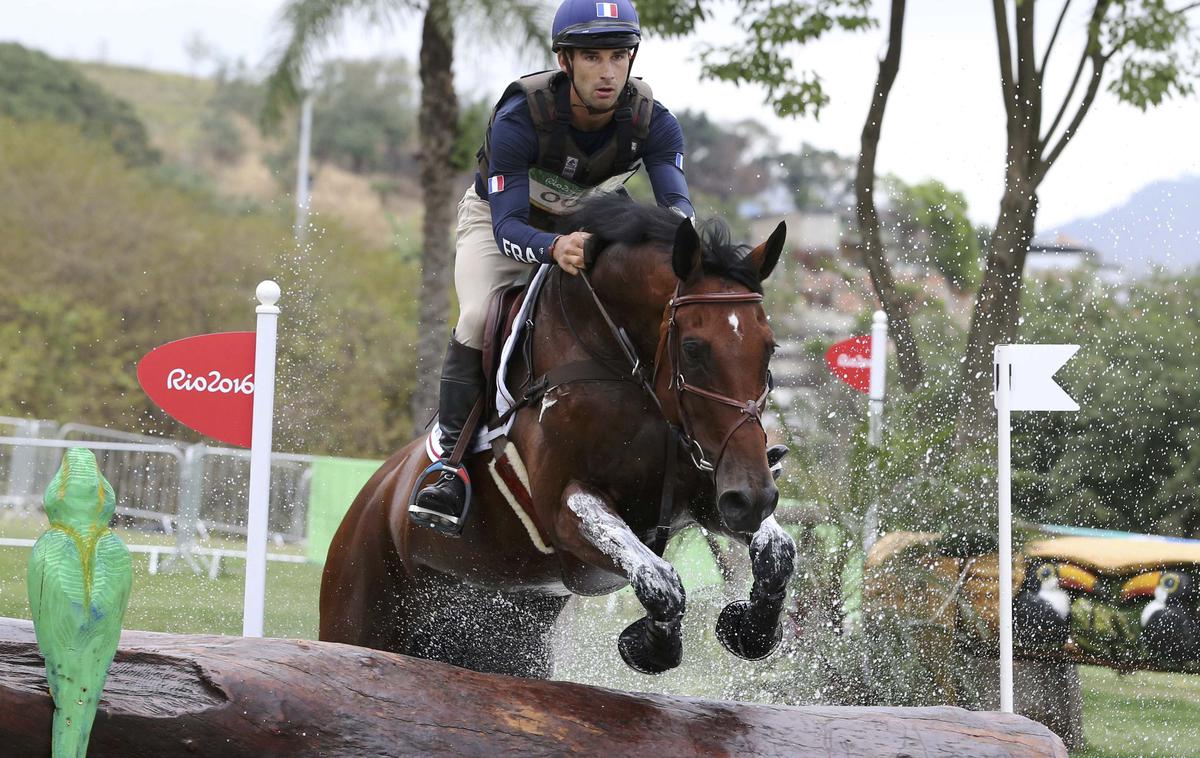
552 136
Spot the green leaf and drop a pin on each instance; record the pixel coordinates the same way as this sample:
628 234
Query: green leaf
770 34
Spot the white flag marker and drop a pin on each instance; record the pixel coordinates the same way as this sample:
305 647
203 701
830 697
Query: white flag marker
1031 377
1024 381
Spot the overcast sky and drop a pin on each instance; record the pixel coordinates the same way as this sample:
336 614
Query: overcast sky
944 120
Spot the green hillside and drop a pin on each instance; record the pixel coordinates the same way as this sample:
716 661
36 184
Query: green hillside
206 128
125 225
170 105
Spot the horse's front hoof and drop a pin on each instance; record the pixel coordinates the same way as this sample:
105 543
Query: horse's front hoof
737 632
651 647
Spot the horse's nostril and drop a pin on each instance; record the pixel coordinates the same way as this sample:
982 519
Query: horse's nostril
733 502
744 510
737 512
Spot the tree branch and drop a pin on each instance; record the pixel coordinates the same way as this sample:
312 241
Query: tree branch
1005 49
1053 39
907 352
1066 101
1029 89
1089 52
1098 61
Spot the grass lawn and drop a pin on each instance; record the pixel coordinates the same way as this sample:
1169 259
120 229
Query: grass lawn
180 601
1140 715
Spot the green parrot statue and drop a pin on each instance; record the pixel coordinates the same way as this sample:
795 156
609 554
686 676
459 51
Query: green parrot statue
80 575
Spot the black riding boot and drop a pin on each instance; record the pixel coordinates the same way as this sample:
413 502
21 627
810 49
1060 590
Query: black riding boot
440 505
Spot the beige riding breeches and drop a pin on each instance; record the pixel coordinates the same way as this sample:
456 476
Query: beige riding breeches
479 268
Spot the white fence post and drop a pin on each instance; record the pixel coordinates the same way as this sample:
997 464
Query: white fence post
1004 489
260 459
875 394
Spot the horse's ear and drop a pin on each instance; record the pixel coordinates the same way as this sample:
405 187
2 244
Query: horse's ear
766 255
685 258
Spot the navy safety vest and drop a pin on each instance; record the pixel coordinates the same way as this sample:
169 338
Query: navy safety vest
563 173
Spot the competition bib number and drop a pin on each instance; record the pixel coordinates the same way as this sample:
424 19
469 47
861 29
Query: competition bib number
553 194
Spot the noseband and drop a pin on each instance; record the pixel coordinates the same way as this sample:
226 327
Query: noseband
751 410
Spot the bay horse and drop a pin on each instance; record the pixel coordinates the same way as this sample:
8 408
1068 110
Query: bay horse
597 454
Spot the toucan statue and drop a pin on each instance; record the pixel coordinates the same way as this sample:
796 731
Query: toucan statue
79 581
1169 626
1042 607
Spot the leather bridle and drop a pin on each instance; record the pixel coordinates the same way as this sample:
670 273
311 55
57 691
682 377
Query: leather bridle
668 344
751 410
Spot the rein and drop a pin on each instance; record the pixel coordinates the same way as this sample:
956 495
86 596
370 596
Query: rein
669 344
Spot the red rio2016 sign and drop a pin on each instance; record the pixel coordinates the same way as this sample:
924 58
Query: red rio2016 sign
205 382
850 361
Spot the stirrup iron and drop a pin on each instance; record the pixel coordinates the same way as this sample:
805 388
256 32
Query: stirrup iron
437 520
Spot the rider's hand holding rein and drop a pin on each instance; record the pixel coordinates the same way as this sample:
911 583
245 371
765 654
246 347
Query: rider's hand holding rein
567 251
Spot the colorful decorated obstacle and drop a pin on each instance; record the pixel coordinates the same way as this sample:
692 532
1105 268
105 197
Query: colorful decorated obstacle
1122 601
231 697
79 580
1137 605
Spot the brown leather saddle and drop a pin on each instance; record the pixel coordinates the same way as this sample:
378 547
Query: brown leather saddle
502 313
503 308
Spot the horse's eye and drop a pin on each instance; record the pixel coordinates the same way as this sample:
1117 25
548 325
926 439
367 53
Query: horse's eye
695 351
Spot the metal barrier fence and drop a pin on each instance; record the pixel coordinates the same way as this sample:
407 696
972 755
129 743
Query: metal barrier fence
225 476
154 553
19 466
188 490
142 497
149 473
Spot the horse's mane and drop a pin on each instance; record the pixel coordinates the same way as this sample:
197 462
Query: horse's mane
617 219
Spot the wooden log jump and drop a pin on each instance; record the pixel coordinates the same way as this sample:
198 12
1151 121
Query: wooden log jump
194 695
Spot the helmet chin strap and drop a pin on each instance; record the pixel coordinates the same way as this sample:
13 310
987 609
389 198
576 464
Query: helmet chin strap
592 111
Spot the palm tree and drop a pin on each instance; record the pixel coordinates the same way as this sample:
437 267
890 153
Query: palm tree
309 23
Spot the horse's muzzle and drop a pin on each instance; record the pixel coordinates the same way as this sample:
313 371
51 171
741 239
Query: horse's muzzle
743 510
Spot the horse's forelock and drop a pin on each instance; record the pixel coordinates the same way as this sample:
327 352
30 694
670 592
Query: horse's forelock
616 219
722 257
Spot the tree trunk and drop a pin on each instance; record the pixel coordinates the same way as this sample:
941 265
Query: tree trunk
997 304
994 321
438 122
908 356
230 697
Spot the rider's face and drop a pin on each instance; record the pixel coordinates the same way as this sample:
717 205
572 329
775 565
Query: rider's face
599 75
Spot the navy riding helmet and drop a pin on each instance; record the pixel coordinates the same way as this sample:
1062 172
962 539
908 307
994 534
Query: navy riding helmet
596 25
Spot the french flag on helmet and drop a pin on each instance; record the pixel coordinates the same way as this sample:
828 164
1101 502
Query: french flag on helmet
589 24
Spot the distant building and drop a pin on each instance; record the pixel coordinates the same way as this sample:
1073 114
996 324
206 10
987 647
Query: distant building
1059 256
807 231
1064 255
